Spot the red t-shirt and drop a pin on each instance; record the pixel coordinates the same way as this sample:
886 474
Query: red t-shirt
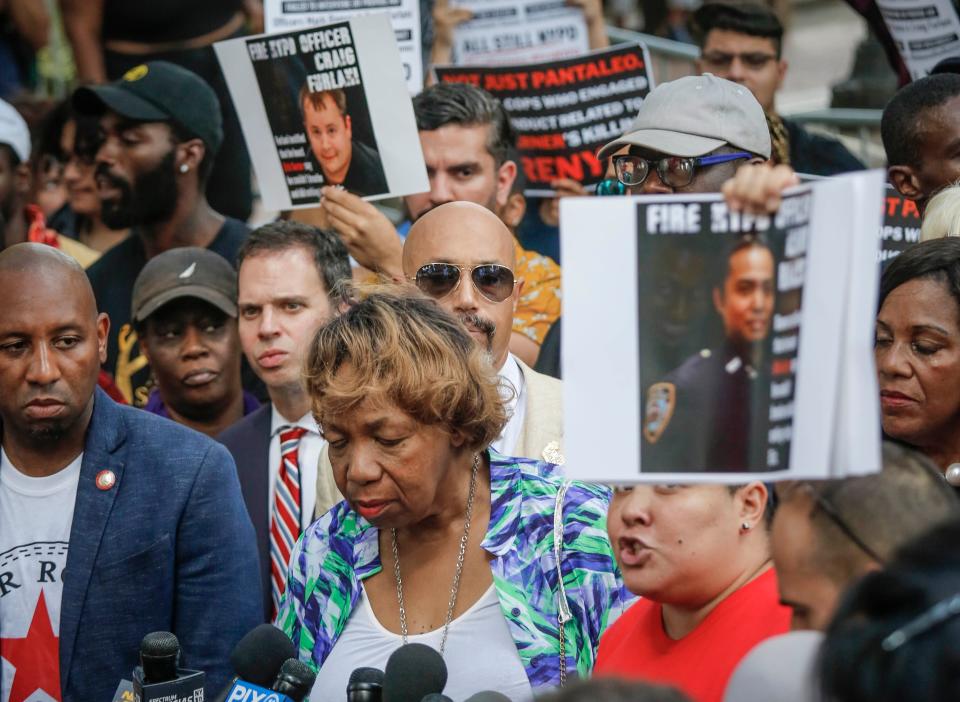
700 664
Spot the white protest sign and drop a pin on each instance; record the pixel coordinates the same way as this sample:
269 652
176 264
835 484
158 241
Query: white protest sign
325 106
925 31
519 31
702 345
286 15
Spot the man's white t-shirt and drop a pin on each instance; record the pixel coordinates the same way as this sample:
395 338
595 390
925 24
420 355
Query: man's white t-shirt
35 519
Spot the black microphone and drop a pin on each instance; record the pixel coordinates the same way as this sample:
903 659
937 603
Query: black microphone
365 685
159 677
258 657
488 696
436 697
295 680
413 671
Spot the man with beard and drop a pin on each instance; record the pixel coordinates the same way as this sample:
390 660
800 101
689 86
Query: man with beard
703 415
160 128
471 275
467 140
185 313
145 516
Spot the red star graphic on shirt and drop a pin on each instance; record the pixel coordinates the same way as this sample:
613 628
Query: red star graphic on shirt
35 657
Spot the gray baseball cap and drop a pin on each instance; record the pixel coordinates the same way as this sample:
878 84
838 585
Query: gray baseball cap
695 115
188 271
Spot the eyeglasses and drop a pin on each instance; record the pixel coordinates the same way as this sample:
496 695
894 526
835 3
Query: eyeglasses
493 281
722 60
675 171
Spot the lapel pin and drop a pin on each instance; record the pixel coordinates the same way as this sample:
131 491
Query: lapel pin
106 479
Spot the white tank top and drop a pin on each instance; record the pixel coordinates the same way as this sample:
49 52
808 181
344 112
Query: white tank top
480 653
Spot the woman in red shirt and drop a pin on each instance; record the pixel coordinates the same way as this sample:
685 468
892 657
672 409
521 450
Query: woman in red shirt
699 557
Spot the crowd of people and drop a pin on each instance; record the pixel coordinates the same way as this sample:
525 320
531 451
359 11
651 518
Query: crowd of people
353 429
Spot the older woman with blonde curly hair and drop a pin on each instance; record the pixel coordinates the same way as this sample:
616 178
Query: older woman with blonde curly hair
439 539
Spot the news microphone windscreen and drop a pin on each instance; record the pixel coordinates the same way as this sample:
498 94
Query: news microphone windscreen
295 679
159 656
436 697
366 675
258 656
488 696
413 671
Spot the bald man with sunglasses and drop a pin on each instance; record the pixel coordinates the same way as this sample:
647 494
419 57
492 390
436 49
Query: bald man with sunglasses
471 275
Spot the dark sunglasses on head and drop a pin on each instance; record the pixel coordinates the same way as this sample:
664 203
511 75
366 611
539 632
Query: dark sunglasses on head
493 281
675 171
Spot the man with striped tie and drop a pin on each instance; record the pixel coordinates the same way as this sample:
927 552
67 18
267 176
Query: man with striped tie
290 279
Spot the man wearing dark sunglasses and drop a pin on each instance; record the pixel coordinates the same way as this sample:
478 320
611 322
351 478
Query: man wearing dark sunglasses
827 534
742 43
462 255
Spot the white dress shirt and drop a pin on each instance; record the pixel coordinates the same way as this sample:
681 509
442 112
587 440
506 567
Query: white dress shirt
308 458
506 443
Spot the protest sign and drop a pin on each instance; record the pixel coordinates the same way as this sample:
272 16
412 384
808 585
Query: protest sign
723 337
325 106
924 31
519 31
901 224
564 111
287 15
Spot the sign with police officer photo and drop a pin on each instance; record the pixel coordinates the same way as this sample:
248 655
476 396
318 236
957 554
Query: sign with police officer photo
720 350
324 106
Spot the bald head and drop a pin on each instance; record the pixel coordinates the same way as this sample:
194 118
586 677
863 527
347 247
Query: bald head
467 235
44 265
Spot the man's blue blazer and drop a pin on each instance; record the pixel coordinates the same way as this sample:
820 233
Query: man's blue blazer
168 548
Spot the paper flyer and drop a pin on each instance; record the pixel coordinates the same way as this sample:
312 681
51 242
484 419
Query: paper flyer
925 31
723 337
287 15
325 106
901 224
519 31
564 111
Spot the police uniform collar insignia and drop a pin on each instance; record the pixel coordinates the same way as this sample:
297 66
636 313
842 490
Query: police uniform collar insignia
661 401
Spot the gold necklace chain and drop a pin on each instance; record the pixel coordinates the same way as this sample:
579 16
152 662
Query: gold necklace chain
455 587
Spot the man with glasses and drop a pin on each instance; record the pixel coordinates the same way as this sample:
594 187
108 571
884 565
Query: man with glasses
471 275
743 43
827 534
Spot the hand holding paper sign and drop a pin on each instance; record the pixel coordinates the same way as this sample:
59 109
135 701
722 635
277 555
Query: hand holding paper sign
593 16
445 20
366 232
758 189
565 187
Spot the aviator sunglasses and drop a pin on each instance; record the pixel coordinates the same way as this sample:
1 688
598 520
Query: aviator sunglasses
493 281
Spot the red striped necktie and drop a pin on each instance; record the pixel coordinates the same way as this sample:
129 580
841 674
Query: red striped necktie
285 515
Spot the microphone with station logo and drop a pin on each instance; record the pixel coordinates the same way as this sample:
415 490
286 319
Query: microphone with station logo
159 677
257 660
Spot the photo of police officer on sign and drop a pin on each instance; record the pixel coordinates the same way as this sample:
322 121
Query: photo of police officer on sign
710 364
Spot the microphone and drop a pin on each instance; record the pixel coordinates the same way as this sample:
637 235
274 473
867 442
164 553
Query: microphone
413 671
295 679
159 677
257 658
488 696
365 685
436 697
